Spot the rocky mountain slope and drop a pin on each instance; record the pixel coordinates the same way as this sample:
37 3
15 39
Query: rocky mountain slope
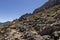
47 5
40 25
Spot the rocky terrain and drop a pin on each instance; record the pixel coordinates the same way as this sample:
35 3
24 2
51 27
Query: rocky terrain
47 5
39 25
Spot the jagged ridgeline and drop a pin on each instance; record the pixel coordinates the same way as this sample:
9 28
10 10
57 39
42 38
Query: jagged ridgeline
42 24
47 5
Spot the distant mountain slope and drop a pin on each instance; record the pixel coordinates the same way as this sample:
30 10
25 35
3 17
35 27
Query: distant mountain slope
40 25
5 23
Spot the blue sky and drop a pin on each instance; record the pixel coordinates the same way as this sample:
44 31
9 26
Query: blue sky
12 9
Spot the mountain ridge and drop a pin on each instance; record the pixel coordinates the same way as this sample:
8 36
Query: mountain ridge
47 5
40 25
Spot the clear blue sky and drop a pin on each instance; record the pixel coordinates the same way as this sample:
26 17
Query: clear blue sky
12 9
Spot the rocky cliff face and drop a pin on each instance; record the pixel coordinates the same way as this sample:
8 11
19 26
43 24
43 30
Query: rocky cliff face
36 26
